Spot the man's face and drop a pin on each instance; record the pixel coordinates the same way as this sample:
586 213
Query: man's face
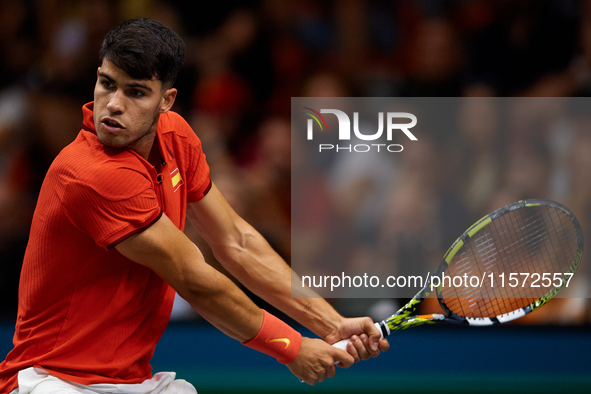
126 110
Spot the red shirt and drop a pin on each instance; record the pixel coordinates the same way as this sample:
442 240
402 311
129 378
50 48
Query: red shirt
86 313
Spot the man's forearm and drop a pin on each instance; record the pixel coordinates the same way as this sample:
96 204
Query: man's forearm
217 299
256 265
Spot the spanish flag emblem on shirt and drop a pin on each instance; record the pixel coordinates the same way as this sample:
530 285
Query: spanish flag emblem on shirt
176 179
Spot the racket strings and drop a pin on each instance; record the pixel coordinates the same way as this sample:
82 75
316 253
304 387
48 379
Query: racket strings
509 257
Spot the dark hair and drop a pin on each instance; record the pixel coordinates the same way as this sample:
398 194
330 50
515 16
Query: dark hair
145 48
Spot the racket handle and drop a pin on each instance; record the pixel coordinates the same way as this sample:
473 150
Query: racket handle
343 343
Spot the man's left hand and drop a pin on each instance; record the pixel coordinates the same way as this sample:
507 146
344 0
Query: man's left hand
366 339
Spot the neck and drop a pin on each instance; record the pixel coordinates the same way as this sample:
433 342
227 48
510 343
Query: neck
143 146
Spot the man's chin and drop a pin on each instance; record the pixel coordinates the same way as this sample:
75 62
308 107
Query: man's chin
111 141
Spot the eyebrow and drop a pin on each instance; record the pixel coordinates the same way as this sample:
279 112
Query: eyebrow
129 85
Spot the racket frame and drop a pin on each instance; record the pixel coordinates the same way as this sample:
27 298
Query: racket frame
406 318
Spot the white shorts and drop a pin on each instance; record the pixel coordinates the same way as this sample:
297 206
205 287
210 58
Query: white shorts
38 381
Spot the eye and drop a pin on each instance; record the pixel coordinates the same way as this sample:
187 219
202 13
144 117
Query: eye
136 93
107 84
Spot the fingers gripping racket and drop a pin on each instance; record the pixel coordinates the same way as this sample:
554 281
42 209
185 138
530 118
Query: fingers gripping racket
522 255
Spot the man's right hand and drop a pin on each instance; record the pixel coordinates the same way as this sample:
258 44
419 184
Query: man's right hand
316 361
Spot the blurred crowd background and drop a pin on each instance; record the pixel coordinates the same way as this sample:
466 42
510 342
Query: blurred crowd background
246 59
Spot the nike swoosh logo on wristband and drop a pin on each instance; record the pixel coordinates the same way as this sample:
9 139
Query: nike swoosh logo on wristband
284 340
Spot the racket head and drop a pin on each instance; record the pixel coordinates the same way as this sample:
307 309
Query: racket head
514 245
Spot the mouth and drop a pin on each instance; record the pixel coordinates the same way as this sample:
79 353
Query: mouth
111 124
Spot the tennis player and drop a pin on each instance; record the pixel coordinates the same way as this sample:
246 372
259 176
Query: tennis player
106 251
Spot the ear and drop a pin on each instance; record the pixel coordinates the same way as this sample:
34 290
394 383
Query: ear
167 100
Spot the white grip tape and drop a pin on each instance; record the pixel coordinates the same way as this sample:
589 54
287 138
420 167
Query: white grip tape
343 343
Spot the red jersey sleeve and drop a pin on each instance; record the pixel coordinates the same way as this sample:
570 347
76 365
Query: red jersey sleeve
109 212
198 179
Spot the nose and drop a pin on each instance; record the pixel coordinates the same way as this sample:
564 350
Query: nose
115 104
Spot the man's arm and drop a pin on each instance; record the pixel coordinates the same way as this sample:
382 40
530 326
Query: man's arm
164 249
251 260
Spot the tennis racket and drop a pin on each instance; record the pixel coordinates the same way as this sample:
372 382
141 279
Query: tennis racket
510 263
